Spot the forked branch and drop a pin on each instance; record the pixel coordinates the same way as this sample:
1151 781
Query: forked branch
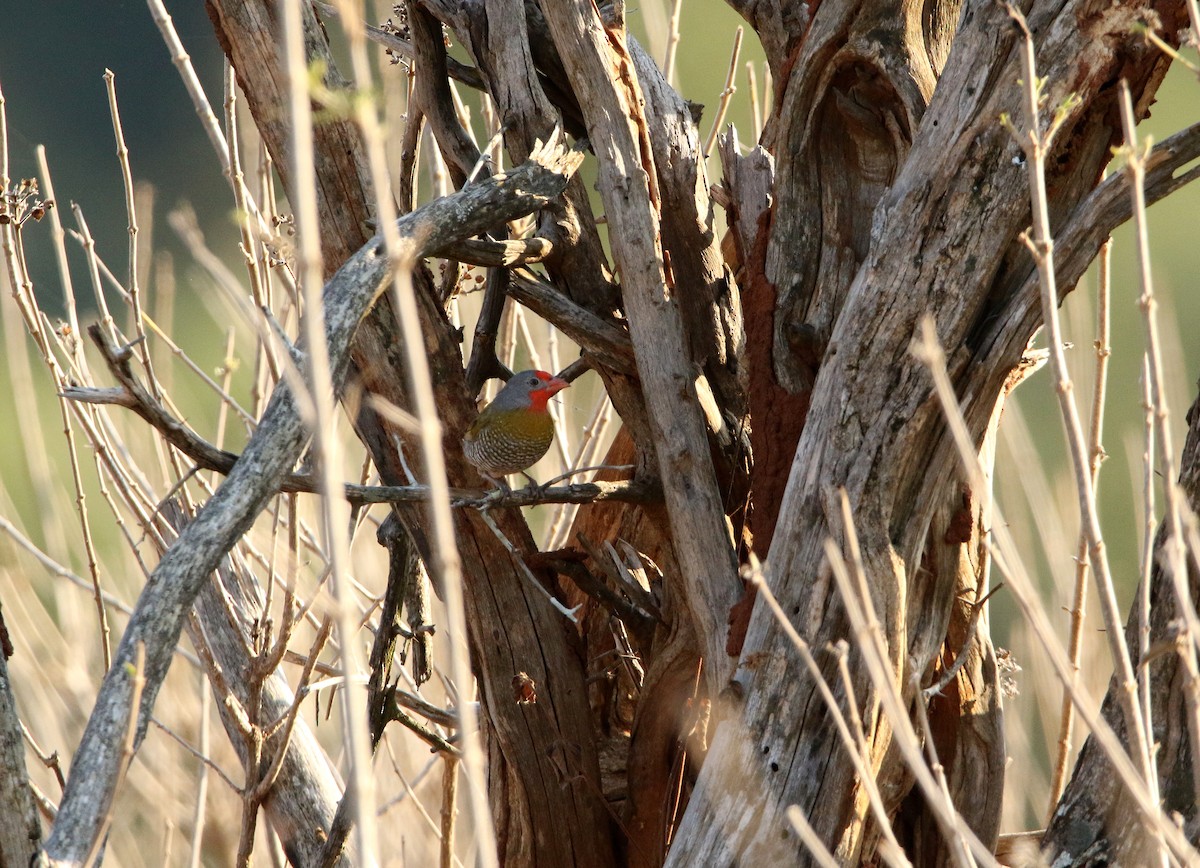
273 450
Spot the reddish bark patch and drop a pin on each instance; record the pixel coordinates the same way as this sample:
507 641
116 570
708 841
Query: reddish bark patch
777 415
739 621
962 523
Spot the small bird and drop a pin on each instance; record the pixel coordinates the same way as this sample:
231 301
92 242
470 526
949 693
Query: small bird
515 430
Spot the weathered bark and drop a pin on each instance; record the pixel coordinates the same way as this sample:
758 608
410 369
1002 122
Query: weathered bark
20 828
943 241
845 122
600 69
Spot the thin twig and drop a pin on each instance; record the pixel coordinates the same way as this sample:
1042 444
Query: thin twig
977 610
962 843
1175 562
135 294
89 545
809 837
199 753
1006 556
1058 780
49 760
591 442
523 569
672 41
200 811
726 94
264 785
360 785
755 106
1147 560
449 808
1041 246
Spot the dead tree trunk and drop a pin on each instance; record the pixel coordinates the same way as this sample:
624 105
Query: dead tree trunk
894 193
885 190
887 211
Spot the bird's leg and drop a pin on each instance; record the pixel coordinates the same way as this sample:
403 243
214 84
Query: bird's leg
535 489
500 488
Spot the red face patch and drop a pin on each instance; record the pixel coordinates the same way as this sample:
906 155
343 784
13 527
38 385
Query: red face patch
550 387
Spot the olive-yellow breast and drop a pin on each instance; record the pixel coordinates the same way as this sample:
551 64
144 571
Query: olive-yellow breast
515 430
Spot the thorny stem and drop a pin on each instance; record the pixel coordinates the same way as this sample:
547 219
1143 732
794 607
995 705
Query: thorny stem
1147 559
1005 555
1176 553
1041 246
21 287
1096 455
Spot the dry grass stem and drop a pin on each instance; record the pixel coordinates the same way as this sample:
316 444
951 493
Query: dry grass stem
449 808
591 443
668 66
447 564
263 787
809 837
411 792
726 94
335 510
200 813
965 848
755 107
253 252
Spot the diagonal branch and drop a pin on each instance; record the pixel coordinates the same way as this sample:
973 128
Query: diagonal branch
136 397
274 448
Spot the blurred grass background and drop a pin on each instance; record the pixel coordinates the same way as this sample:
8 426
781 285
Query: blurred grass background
52 58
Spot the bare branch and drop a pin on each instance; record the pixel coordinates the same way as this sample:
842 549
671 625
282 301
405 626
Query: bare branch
276 445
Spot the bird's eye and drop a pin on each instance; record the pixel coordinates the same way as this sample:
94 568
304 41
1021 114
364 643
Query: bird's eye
533 381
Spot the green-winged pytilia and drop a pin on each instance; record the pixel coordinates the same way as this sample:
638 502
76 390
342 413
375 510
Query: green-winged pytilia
515 430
